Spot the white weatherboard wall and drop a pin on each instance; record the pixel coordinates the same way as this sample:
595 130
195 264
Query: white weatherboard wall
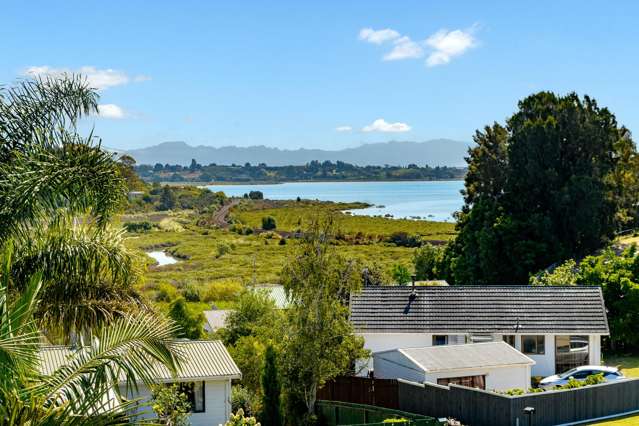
545 364
377 342
217 403
395 365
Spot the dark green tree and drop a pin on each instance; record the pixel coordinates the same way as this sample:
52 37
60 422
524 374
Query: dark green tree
168 200
549 186
189 323
268 223
271 410
319 343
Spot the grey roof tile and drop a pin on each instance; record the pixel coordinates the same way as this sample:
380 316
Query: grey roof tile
480 309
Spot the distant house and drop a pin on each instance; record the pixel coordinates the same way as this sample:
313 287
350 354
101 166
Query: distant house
276 292
205 376
492 366
214 319
557 327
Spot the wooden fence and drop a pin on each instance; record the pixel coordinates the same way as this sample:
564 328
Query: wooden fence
476 407
361 390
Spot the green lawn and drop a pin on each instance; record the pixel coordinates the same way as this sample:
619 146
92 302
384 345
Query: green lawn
629 365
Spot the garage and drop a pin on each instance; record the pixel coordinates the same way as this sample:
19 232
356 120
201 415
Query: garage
490 366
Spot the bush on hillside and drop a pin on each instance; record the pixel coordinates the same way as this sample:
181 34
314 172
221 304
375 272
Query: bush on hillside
268 223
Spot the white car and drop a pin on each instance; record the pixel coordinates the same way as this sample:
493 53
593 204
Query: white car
581 373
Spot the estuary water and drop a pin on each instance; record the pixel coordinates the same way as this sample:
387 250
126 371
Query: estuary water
431 200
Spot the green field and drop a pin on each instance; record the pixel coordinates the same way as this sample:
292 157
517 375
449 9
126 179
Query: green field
291 216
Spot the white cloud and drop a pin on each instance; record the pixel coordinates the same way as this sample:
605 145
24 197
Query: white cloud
448 44
111 111
379 36
380 125
405 48
343 128
99 79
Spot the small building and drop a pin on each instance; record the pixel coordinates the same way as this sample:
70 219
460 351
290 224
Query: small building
214 319
276 292
558 327
490 366
205 377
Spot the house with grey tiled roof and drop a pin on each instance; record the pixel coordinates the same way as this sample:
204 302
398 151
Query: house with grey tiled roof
205 374
557 327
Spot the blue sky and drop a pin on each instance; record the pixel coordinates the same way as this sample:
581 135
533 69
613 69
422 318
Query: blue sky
329 74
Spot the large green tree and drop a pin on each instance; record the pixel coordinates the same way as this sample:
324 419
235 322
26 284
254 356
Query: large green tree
271 414
556 182
319 342
618 276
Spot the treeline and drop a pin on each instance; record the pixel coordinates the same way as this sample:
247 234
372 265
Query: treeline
315 170
553 185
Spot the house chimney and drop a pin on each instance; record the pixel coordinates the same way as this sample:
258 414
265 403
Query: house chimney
413 294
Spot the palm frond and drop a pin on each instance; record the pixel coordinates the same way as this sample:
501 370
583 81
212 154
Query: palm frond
41 104
88 275
131 349
77 176
18 336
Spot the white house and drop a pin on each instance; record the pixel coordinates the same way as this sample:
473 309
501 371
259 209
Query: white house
557 327
490 366
205 376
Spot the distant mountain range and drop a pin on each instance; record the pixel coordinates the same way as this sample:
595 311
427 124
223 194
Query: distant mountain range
436 152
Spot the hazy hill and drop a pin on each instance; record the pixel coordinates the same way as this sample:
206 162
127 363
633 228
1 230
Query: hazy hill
436 152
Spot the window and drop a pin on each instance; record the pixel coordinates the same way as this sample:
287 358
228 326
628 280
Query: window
195 395
510 339
439 340
571 352
533 345
468 381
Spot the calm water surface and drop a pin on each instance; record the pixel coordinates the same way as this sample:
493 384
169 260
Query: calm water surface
433 200
162 258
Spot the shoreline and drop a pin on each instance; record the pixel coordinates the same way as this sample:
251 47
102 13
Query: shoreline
260 182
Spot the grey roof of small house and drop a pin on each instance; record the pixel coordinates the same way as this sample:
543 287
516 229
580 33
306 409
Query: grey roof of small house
480 309
200 359
456 357
215 318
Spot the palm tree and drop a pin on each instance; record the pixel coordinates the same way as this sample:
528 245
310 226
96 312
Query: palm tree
58 192
84 391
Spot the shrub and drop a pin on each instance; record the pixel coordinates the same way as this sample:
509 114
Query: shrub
403 239
223 290
256 195
400 274
144 226
428 262
282 242
243 400
222 249
238 419
191 294
165 292
189 322
170 405
595 379
168 224
268 223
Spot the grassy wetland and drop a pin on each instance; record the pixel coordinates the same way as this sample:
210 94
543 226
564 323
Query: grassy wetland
218 257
